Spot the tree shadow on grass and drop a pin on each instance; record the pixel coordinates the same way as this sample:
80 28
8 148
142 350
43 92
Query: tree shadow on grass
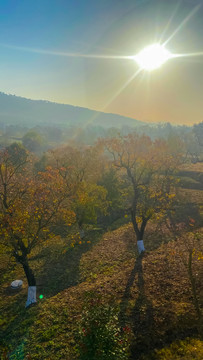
126 296
60 270
16 322
141 316
55 271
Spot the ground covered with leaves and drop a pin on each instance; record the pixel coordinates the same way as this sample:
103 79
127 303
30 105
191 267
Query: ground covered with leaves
150 294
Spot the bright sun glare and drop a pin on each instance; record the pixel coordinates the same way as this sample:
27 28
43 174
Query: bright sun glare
152 57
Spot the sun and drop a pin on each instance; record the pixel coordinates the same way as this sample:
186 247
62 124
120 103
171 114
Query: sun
152 57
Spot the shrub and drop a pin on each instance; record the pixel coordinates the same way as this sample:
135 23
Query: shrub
99 336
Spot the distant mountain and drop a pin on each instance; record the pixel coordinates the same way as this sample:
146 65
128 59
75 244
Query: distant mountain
15 110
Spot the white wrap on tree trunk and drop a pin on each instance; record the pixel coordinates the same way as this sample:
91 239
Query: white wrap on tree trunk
140 246
31 296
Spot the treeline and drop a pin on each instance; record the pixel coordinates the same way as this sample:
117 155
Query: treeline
39 139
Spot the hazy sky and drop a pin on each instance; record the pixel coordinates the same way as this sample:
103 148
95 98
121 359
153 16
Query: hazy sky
37 35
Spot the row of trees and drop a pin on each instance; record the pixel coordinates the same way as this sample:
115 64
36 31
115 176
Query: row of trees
42 138
69 188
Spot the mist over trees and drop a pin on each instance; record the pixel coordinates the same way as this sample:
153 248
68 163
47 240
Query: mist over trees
41 138
42 125
72 184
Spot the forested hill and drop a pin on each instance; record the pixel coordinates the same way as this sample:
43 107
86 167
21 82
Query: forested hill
16 110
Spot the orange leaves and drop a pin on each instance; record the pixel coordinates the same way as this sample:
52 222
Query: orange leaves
191 222
32 205
200 255
142 167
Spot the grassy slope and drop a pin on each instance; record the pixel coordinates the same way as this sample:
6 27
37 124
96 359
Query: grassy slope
153 295
191 176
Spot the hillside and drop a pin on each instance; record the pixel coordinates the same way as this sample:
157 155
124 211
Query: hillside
152 293
16 110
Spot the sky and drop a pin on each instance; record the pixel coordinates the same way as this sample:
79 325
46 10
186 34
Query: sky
76 52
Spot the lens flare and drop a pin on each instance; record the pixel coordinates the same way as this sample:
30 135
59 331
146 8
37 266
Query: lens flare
152 57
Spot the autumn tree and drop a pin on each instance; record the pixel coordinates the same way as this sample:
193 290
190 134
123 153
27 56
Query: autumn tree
90 202
146 171
82 167
30 206
113 186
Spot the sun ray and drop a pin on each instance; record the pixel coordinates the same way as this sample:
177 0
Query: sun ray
169 21
65 54
93 118
188 54
183 23
122 88
192 60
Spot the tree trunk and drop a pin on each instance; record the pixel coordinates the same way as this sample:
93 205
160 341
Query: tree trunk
29 273
140 246
139 232
140 241
31 298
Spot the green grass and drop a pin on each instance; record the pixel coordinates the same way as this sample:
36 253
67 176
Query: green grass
152 295
188 349
191 178
190 183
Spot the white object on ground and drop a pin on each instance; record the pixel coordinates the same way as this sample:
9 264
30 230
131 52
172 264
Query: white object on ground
16 284
31 296
140 246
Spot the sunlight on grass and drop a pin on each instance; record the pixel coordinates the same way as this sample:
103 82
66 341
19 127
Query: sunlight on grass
188 349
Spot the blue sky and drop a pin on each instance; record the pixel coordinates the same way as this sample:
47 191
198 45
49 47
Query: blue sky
29 29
